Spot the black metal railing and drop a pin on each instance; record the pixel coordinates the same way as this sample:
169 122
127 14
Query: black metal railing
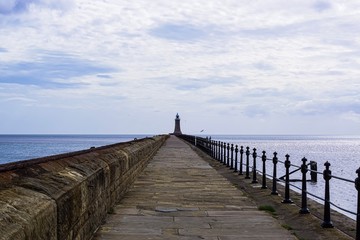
227 154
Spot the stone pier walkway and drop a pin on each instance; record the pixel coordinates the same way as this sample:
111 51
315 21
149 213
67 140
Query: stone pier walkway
179 196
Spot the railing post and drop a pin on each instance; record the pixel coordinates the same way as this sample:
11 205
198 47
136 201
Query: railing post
228 155
236 158
263 158
224 153
219 155
287 180
207 146
274 189
210 147
212 144
213 148
254 166
357 186
327 176
216 149
247 176
220 151
241 160
304 209
232 157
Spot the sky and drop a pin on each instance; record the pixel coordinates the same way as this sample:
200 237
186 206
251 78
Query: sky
226 66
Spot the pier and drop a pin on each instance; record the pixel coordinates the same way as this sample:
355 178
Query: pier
180 196
166 187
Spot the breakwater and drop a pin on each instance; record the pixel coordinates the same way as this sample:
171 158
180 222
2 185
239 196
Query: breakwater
67 196
181 196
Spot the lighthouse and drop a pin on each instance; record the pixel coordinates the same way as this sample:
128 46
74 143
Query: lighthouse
177 130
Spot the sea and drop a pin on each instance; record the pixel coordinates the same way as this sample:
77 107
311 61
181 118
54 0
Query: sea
342 152
16 147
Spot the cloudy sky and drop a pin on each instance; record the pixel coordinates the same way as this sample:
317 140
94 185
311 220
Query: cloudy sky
226 66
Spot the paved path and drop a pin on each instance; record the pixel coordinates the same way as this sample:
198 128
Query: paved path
179 196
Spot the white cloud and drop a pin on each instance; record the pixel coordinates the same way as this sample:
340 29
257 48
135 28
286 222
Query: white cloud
267 60
352 116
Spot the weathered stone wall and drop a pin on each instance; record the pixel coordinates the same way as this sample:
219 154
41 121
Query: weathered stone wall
67 196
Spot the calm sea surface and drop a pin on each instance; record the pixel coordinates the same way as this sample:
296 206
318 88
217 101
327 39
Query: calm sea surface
343 152
22 147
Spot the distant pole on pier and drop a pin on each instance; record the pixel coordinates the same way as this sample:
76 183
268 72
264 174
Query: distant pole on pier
177 130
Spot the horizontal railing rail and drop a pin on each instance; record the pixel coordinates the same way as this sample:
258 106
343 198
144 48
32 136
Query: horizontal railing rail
238 159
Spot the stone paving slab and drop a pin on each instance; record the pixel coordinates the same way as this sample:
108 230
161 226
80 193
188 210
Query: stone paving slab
179 196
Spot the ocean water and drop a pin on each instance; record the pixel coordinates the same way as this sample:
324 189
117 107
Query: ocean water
342 152
23 147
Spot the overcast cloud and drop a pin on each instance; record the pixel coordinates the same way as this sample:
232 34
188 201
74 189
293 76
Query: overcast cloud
229 66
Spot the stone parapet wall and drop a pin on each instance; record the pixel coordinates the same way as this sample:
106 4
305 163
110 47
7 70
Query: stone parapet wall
67 196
